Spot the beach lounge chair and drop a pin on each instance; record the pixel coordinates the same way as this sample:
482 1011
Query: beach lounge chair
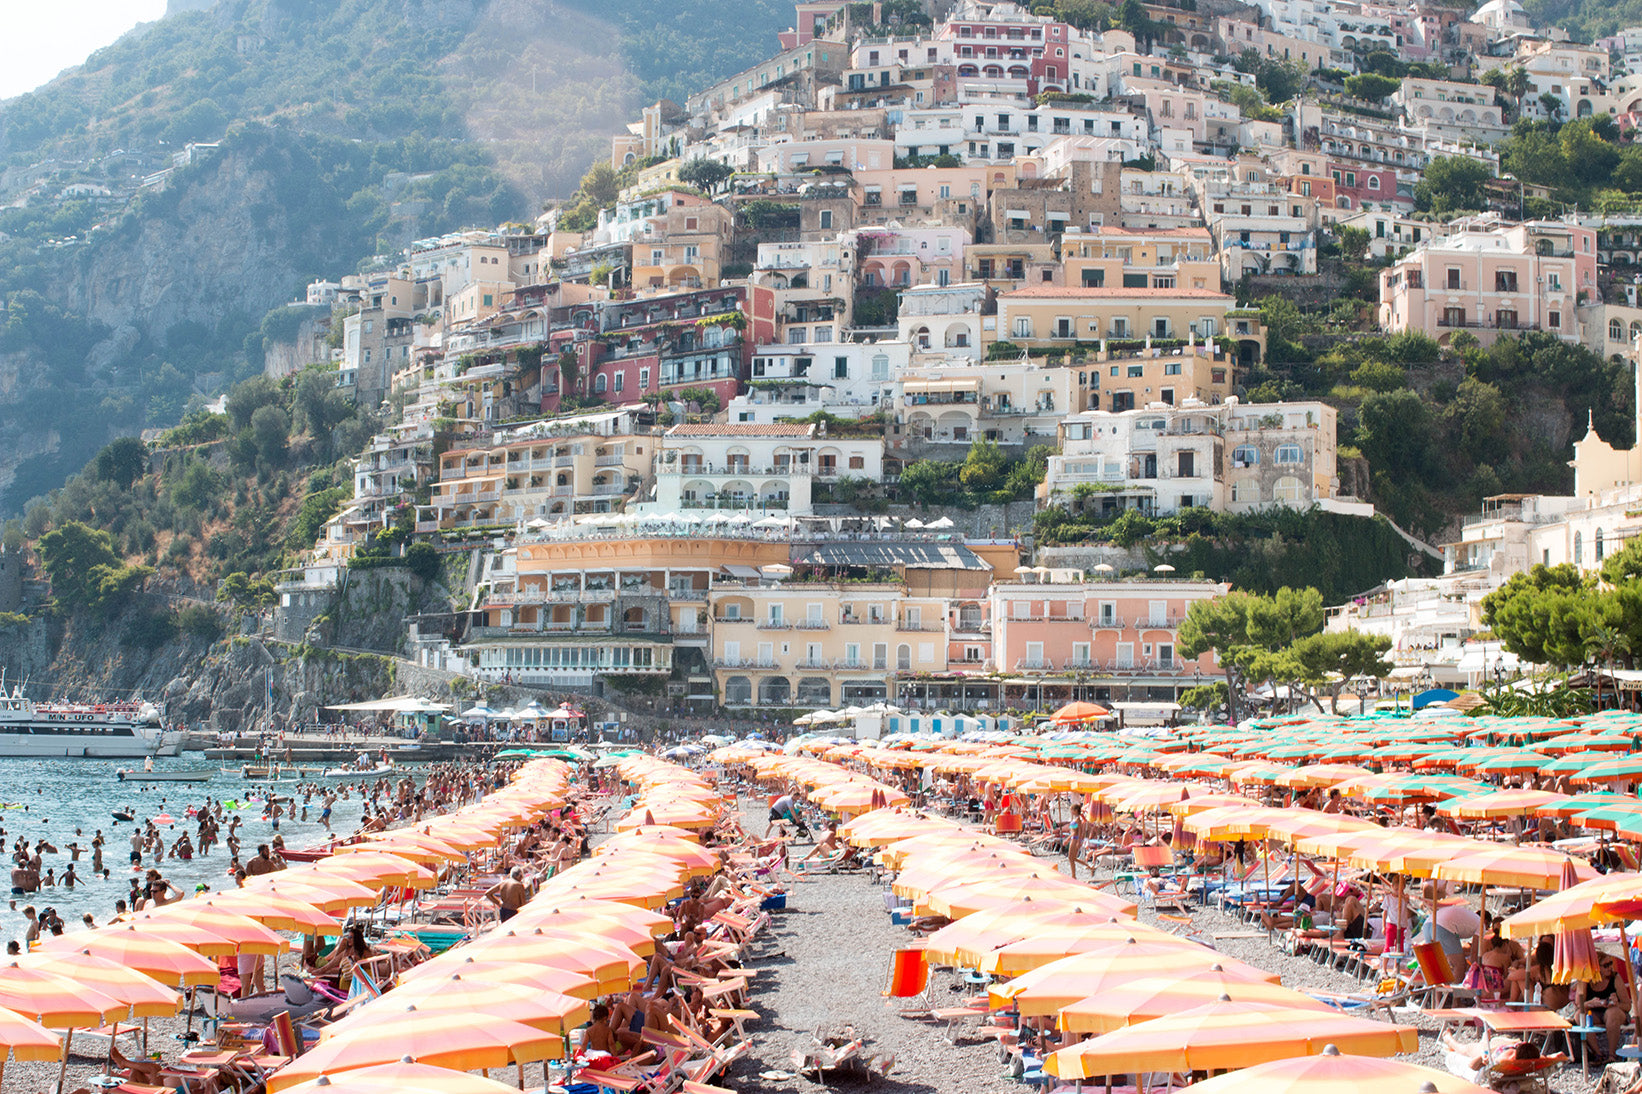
1442 987
821 1057
1522 1075
640 1075
908 979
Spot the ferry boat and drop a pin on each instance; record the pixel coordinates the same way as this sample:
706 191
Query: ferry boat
91 731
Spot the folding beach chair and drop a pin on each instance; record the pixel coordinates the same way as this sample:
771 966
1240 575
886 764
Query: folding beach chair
1441 985
908 979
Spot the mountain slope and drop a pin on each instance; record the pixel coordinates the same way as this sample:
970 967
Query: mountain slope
347 128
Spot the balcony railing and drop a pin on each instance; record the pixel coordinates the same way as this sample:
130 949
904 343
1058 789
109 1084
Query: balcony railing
908 625
1460 324
774 625
711 469
744 663
1112 665
737 501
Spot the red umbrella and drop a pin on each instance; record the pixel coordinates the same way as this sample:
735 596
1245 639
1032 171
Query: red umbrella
1073 713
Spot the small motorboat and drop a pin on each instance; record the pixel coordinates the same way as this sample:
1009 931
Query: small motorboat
354 772
162 776
122 815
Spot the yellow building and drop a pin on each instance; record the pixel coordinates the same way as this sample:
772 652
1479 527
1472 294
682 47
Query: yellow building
1123 381
682 248
1051 316
1140 258
741 620
537 478
852 619
565 611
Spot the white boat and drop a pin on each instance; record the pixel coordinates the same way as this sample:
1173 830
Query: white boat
163 776
354 772
91 731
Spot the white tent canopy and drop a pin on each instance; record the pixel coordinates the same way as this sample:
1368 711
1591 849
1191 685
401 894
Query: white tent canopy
400 704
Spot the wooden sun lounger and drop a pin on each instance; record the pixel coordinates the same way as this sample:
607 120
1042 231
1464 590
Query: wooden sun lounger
954 1018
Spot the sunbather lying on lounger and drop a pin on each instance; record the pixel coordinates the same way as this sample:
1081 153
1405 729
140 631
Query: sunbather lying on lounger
1471 1060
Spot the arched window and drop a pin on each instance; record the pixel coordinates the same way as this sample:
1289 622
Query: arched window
1245 455
1245 491
598 384
1289 453
1599 545
1286 491
1579 548
903 657
1616 331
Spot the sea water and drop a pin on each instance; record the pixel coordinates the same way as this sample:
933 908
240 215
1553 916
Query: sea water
68 801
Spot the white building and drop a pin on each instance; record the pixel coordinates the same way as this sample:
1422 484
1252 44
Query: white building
846 379
959 401
1389 235
1232 457
757 467
1260 228
943 319
1451 111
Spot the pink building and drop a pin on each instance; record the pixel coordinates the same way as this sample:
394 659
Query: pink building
1115 638
1362 185
902 257
1012 47
1490 276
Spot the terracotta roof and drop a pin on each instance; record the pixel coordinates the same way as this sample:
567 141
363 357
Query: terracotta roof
740 429
1056 292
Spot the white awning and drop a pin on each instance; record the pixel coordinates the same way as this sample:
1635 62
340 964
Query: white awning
746 573
932 386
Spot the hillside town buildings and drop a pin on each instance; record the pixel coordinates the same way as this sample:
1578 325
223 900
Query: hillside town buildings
680 426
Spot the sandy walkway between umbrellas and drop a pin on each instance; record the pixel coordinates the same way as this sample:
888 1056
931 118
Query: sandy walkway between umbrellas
828 954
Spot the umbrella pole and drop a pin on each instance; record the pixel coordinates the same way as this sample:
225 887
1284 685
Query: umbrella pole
1636 997
62 1072
1482 914
1403 941
1334 889
1265 877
